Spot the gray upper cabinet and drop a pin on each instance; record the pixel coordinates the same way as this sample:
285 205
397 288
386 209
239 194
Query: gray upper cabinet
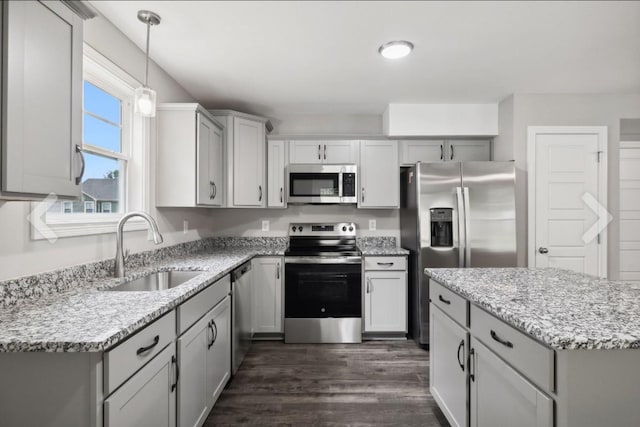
327 152
444 150
379 175
42 100
189 157
276 174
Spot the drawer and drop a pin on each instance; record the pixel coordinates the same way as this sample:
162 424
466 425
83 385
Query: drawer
534 360
197 306
449 302
127 358
385 263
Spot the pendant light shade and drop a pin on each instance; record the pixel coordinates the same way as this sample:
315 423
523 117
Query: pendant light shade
145 97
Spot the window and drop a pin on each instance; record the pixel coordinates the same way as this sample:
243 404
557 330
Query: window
114 147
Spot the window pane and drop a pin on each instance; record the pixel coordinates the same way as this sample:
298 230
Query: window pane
101 103
101 134
101 187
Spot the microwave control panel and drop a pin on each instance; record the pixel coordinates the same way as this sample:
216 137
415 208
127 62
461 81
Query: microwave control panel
348 184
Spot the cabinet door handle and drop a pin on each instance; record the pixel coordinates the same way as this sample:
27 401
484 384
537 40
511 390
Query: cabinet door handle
505 343
461 347
362 194
472 364
210 190
446 301
325 151
210 326
155 342
441 152
259 193
81 154
174 363
368 285
281 195
215 190
319 152
451 153
385 264
278 271
215 336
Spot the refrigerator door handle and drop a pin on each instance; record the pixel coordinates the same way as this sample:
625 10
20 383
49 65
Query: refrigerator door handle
467 228
461 228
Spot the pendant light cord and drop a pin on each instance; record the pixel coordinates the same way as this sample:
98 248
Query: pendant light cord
146 70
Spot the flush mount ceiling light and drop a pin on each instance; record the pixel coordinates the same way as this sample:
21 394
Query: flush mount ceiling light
396 49
145 97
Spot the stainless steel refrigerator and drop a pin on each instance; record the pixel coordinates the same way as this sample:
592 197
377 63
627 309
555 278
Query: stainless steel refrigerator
454 215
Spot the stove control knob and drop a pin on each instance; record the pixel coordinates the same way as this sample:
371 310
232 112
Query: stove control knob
293 228
322 310
300 228
350 228
344 228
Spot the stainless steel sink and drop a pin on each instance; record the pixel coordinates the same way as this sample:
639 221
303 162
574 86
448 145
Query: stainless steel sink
159 281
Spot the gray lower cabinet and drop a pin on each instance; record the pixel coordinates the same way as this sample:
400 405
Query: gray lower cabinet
502 397
204 352
447 367
147 398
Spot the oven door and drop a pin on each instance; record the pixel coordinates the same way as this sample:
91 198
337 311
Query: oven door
322 290
314 187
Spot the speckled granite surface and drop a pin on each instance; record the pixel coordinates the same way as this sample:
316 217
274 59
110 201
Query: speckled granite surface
560 308
379 246
78 316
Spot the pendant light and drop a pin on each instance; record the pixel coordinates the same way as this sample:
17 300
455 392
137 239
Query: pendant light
145 97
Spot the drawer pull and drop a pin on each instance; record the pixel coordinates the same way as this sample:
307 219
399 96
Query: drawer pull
461 347
500 340
446 301
155 342
385 264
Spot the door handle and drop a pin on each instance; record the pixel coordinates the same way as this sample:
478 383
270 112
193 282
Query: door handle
215 190
212 335
461 230
319 151
259 193
451 152
446 301
81 154
210 190
325 151
543 250
385 264
461 347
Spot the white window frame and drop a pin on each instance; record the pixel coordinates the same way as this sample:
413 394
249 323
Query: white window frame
64 207
100 71
89 202
103 205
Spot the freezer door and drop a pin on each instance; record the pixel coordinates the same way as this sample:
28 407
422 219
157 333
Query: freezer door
438 203
489 198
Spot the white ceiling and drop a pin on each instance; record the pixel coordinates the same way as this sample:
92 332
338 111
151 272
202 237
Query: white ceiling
321 57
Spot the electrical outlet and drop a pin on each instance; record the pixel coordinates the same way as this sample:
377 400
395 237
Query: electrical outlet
372 225
185 226
265 225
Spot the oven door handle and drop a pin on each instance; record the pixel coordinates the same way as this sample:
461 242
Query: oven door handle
323 260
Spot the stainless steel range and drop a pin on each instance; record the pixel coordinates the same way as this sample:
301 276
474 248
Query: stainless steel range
323 288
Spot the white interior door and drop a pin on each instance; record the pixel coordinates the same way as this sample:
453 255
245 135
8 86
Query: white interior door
567 177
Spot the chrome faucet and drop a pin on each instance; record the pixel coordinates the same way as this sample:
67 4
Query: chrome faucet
157 238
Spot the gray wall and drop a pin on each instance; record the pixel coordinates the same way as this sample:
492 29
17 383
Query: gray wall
523 110
19 255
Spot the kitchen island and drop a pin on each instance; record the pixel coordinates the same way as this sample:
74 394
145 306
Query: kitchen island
539 347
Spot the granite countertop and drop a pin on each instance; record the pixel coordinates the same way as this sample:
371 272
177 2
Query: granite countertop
87 319
382 251
563 309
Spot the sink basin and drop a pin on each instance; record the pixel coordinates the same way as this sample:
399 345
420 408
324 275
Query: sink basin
159 281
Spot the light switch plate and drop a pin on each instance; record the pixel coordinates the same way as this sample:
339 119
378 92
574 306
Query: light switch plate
372 225
265 225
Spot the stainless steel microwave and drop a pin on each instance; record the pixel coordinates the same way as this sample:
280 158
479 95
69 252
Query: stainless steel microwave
319 184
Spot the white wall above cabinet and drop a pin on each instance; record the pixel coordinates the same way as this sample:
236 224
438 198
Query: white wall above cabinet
440 119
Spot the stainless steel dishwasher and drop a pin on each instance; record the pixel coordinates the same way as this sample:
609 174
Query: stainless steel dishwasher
242 322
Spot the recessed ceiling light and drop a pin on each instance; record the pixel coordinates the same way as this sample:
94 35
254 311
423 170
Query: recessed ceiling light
396 49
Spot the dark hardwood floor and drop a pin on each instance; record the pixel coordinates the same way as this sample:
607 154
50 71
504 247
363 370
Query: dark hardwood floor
381 383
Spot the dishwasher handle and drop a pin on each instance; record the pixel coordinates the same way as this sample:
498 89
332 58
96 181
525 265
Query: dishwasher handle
239 272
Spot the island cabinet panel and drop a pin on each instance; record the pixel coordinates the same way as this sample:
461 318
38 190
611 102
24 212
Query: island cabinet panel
500 396
522 352
148 398
449 302
447 367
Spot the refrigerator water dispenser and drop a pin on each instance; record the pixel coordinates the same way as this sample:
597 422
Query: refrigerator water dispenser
441 227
